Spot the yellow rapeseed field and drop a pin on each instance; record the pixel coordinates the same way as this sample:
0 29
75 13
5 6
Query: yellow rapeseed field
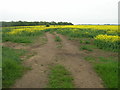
109 28
108 38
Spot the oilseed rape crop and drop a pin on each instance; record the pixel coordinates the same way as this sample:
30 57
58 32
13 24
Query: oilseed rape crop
105 36
108 42
107 28
97 44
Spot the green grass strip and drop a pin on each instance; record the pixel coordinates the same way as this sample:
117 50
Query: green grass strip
11 65
58 39
60 78
107 69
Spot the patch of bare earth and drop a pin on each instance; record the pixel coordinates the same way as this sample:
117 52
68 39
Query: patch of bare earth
82 71
14 45
38 76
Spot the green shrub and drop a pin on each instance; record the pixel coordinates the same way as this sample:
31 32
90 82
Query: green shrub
85 48
87 42
58 39
81 41
47 25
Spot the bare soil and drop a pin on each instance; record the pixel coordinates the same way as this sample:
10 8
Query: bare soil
81 70
48 54
38 76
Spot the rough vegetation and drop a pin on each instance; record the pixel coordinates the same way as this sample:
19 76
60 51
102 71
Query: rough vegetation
95 44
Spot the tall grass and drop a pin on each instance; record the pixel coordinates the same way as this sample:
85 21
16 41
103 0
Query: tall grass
22 37
11 66
107 69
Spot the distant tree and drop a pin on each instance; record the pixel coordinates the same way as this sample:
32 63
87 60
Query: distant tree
53 23
25 23
47 25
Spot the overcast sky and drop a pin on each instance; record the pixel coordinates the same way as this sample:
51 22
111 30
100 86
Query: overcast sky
75 11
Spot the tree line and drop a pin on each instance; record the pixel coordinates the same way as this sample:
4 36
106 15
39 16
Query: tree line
26 23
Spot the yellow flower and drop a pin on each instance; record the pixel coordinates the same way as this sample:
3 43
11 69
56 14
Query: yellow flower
107 38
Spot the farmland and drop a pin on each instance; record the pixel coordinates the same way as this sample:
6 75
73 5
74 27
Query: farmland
60 56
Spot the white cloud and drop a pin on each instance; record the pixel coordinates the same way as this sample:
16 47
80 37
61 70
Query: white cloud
76 11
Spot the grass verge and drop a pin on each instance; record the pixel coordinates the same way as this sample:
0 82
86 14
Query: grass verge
107 69
52 32
60 78
86 47
90 58
84 42
11 65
